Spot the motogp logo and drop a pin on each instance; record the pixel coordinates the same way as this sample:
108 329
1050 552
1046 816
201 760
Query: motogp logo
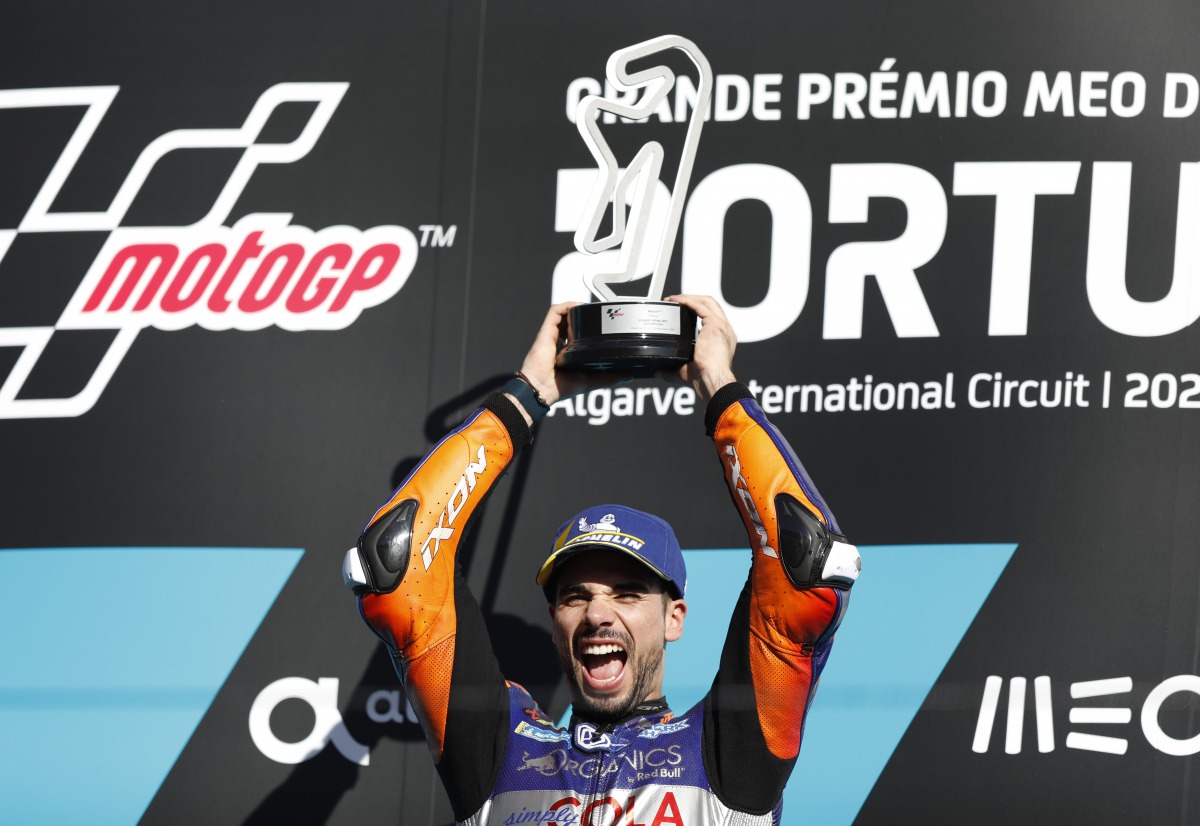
263 271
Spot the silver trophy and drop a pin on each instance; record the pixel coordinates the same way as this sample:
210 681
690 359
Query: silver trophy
639 334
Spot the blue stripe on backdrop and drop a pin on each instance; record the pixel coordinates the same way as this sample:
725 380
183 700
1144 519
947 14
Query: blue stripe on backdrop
109 658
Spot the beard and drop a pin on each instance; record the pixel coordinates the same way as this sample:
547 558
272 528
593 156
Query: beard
642 665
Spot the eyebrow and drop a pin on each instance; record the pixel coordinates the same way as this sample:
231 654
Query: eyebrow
579 588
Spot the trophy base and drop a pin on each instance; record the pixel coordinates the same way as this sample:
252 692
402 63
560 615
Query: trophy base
635 337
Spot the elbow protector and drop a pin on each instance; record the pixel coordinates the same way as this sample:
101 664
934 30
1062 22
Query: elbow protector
379 561
811 555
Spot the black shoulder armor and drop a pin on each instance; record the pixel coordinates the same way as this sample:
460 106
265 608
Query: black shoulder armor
810 554
384 548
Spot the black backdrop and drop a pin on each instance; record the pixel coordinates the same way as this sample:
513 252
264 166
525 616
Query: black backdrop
454 115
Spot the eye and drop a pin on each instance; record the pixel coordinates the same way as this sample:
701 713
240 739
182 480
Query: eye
629 596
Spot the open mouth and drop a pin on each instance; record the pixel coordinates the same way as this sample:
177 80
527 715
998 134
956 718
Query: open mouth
603 664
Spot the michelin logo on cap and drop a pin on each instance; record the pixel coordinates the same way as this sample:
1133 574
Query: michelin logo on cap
608 522
605 530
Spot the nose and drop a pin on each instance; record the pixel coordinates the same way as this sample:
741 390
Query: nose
599 613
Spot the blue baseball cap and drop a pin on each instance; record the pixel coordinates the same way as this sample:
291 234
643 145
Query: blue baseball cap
642 536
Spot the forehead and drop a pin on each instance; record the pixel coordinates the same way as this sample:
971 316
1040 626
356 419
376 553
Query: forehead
605 567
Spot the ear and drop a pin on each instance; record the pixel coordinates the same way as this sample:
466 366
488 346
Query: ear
676 611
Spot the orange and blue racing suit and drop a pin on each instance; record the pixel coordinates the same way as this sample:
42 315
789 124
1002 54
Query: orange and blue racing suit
502 761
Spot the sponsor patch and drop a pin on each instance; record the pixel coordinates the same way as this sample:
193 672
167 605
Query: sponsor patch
658 729
534 733
586 738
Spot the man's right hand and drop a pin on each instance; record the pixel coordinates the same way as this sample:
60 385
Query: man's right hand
538 366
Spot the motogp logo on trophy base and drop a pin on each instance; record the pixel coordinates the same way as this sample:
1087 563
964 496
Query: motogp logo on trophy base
262 271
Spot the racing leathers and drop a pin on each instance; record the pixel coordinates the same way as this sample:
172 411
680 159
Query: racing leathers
502 761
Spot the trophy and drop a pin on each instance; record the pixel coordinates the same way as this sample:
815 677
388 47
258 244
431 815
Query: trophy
637 335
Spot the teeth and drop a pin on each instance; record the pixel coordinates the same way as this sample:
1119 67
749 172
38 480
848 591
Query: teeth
602 649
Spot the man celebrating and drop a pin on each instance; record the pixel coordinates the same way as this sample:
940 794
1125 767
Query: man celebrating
615 583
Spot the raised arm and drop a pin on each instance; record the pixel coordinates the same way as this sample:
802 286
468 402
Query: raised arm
414 598
795 597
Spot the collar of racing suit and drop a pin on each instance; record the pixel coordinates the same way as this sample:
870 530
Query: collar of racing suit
642 709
